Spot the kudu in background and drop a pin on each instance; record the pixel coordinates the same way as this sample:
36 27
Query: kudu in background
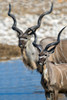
30 54
54 76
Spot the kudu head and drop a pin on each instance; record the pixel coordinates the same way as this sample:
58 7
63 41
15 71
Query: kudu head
24 36
49 49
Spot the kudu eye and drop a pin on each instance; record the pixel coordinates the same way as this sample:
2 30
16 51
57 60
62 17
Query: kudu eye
45 54
29 32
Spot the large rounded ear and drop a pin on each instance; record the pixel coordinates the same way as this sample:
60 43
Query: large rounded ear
14 27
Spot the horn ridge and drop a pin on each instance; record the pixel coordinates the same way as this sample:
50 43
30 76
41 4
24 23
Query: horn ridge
15 22
58 38
36 45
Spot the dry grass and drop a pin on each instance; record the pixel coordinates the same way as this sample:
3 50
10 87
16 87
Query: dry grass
7 52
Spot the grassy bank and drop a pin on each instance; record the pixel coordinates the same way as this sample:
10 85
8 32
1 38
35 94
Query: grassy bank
7 52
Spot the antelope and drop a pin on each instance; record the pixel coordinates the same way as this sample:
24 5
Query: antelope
54 76
30 54
58 56
54 79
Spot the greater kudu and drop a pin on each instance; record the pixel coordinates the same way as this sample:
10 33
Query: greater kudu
59 54
54 76
29 52
54 79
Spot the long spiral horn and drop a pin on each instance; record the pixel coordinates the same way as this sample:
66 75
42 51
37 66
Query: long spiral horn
14 26
49 45
54 43
34 28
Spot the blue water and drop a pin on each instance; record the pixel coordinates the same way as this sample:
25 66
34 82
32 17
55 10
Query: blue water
19 83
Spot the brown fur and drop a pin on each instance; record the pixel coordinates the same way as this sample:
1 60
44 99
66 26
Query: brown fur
28 62
56 79
60 53
30 54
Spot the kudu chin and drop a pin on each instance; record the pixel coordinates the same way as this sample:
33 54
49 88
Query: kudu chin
30 54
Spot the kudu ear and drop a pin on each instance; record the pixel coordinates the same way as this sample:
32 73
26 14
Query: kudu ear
14 26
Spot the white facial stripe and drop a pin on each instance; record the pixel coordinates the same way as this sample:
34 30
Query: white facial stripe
21 45
23 39
42 56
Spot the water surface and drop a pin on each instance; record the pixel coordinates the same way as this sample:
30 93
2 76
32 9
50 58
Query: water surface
19 83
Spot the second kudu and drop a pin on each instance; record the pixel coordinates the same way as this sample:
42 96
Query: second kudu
54 76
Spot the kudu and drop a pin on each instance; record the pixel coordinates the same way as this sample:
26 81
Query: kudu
59 55
54 79
54 76
29 52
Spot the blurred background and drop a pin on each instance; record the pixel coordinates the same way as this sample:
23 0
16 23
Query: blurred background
27 13
16 81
